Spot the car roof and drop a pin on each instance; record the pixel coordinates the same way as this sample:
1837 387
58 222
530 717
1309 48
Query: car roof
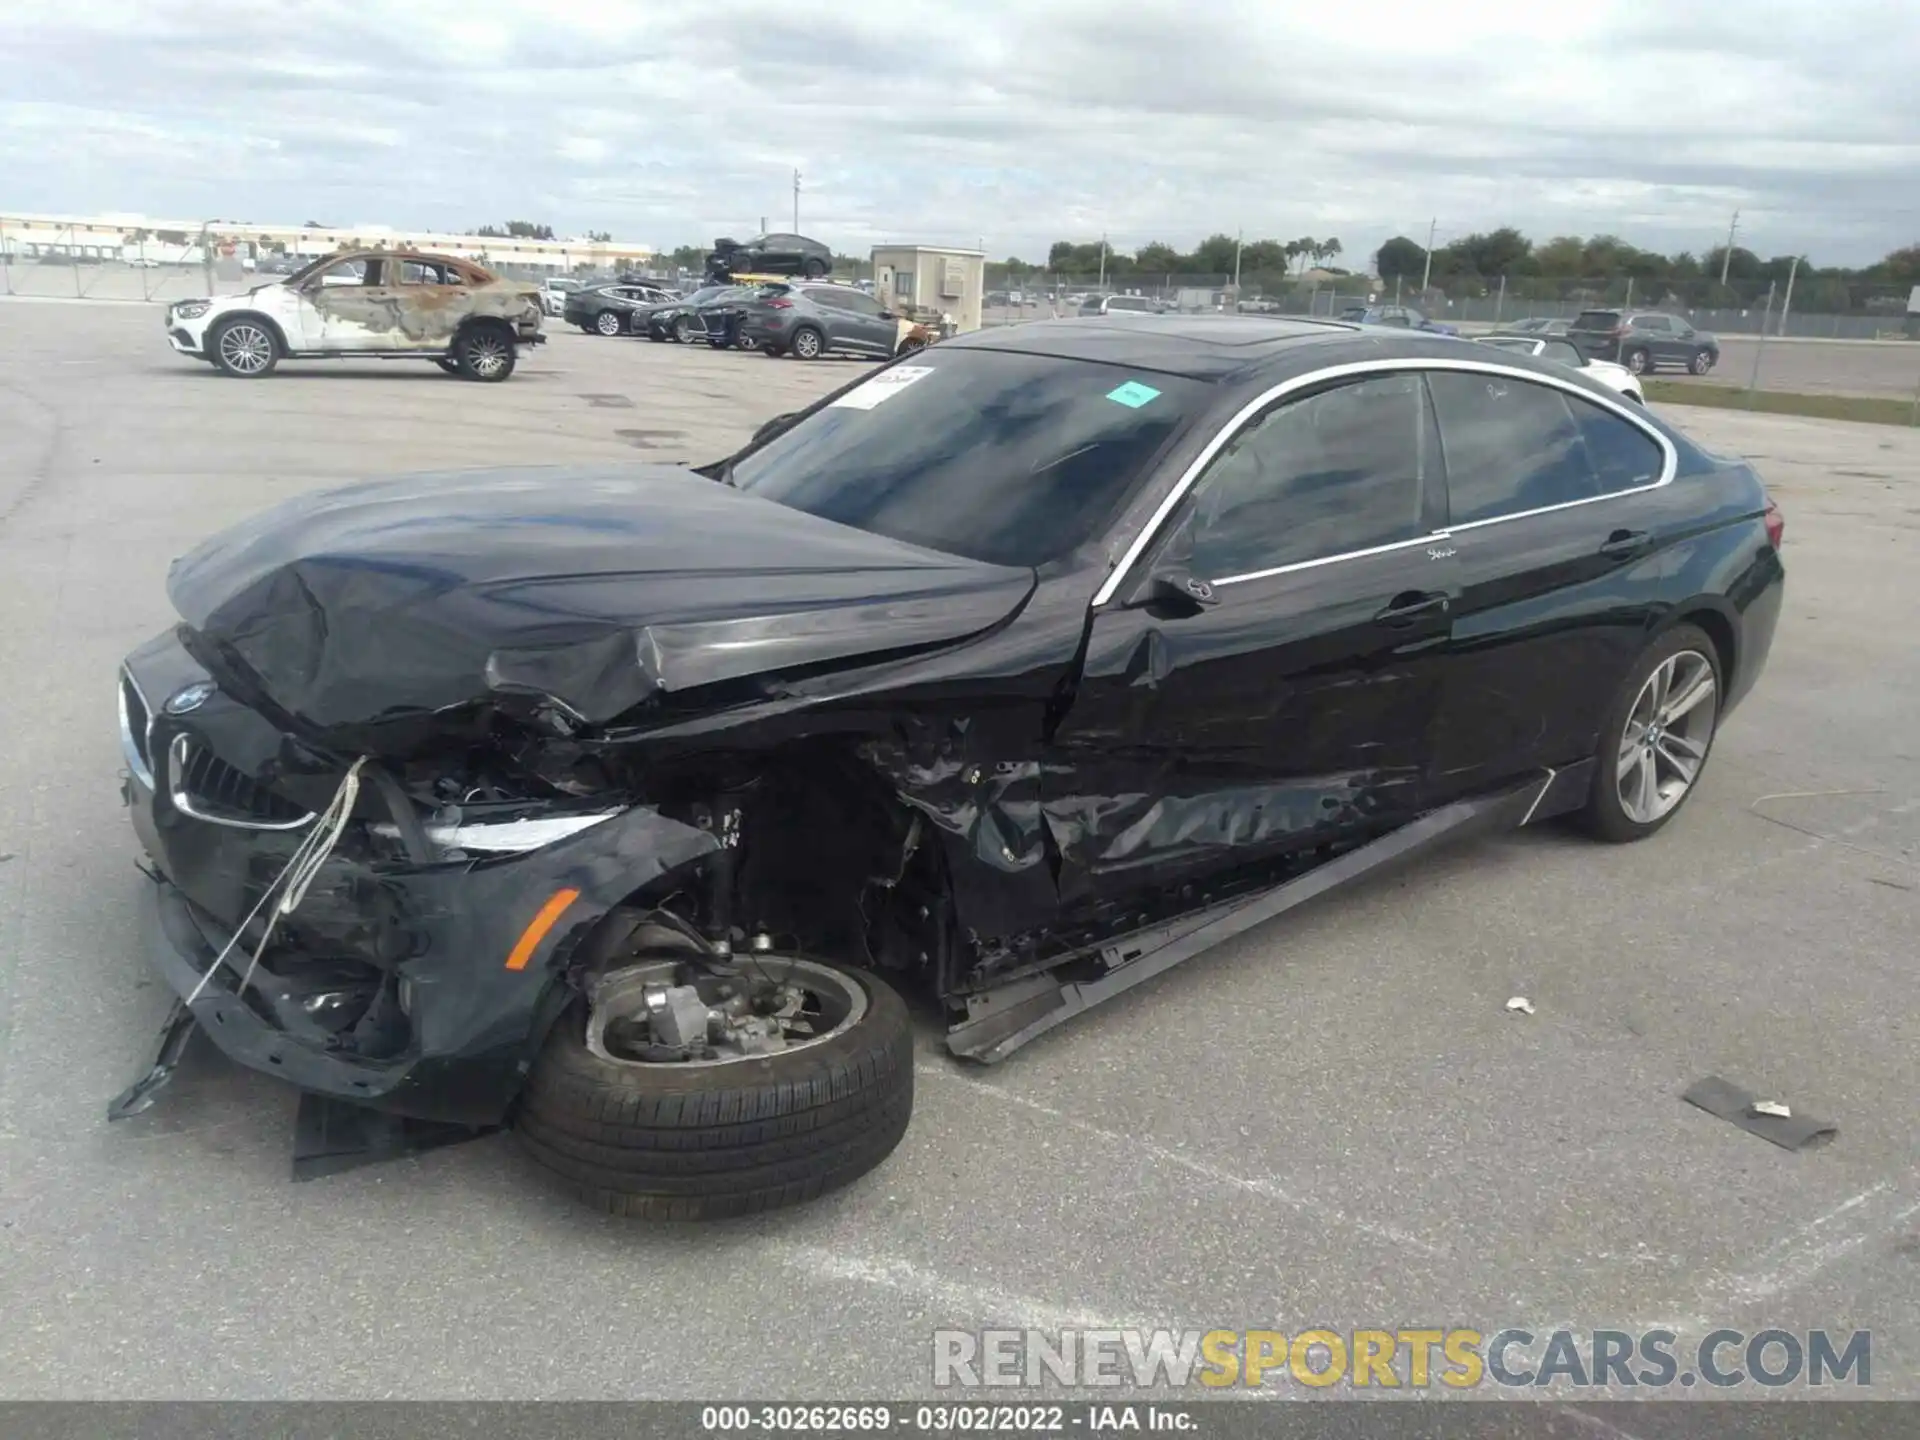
1206 347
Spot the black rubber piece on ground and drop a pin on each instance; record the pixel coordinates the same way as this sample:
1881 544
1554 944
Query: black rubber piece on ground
691 1142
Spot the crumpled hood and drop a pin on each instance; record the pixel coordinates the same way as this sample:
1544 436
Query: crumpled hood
596 588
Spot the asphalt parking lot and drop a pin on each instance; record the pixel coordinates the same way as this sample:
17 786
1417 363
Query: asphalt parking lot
1330 1122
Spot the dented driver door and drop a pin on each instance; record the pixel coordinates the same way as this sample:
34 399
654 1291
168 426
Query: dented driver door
352 305
1289 697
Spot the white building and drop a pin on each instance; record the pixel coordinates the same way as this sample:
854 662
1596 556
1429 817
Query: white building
139 237
931 281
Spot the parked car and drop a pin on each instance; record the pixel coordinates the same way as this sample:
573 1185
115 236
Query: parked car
678 319
1564 352
1400 317
1258 305
1015 673
808 321
1122 305
554 291
384 304
1644 340
769 255
610 309
720 318
1538 325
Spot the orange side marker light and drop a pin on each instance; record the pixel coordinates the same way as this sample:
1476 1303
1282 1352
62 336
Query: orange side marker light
538 927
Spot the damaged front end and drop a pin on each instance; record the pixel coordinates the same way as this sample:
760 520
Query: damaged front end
420 964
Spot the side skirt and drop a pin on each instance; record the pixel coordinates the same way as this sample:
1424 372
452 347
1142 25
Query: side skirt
1001 1020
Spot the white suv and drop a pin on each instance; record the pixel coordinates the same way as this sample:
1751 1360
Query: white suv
1121 305
389 304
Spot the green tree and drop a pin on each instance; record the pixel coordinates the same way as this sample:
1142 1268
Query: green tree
1400 259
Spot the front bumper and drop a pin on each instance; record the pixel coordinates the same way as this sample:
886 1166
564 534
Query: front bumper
398 985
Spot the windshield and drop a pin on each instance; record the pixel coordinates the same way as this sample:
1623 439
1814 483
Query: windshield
1011 459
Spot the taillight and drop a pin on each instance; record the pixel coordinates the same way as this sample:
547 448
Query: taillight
779 304
1776 524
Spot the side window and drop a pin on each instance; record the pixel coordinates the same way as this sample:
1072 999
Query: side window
424 272
1325 475
1560 350
1656 323
828 296
860 304
349 272
1513 447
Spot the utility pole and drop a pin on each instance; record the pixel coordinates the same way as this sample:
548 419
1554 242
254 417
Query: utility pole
796 202
1103 260
1786 303
1726 256
1238 235
1427 274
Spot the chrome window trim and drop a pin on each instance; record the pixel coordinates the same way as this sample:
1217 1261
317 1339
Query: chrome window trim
183 802
1427 539
1151 530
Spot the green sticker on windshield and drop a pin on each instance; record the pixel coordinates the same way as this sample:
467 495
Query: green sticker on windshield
1133 394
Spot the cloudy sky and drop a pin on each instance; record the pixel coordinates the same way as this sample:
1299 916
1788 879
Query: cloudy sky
1005 122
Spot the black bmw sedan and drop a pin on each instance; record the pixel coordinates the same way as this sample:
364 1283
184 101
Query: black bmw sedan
618 805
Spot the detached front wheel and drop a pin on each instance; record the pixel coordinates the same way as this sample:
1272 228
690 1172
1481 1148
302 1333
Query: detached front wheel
676 1093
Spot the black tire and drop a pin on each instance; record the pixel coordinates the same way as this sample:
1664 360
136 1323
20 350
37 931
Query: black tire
813 268
586 328
1605 817
452 367
807 343
655 336
1701 363
705 1142
243 347
609 323
485 352
1639 361
683 329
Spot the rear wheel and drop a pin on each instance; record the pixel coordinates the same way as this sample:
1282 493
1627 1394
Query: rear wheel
683 329
814 267
1655 743
1639 361
633 1124
608 322
243 348
807 343
1701 362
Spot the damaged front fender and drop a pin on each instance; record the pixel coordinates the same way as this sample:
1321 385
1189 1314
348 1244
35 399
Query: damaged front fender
425 991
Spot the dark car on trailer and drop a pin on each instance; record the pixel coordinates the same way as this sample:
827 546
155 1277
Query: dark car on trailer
1644 340
614 804
617 307
777 254
809 321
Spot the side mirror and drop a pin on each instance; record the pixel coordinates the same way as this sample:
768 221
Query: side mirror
1176 590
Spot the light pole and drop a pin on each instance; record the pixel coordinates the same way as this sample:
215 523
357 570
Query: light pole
796 202
1103 260
1426 274
1786 302
1238 235
1726 256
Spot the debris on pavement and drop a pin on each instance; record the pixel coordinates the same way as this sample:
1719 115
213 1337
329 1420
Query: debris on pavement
1521 1004
1769 1119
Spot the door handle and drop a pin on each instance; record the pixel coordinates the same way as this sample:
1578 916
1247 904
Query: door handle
1406 608
1625 544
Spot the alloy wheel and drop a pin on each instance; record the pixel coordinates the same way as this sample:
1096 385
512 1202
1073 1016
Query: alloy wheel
806 345
486 356
1665 739
246 348
608 323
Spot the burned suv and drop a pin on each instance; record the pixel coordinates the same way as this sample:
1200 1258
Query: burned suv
367 304
614 804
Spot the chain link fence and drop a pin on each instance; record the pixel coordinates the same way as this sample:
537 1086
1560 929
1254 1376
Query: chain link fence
1815 307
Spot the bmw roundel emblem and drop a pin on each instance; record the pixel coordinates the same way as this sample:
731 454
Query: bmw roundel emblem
190 697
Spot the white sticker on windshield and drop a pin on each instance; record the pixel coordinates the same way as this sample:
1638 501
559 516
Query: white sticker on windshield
881 387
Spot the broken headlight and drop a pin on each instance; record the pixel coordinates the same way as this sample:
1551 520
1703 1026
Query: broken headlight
455 836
